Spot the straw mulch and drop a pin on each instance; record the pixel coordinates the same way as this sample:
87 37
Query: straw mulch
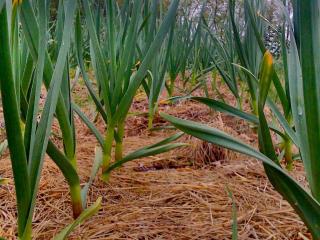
178 195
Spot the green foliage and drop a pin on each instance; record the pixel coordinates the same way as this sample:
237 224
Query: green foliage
133 44
29 133
116 72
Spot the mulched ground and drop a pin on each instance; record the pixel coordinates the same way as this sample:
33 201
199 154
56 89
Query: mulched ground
179 195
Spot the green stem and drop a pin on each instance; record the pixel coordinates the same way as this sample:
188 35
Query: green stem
150 120
106 158
76 200
69 170
193 78
27 235
254 106
119 151
239 103
73 161
119 143
75 193
288 155
152 113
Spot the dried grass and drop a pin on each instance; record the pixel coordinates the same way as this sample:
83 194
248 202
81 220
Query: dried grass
179 195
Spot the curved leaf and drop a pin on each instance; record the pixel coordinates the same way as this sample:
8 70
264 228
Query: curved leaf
144 152
63 164
89 124
265 140
95 168
79 54
225 108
